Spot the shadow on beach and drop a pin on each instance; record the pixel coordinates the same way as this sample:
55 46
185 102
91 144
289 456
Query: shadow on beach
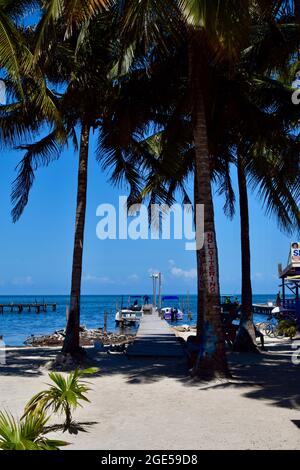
26 361
270 376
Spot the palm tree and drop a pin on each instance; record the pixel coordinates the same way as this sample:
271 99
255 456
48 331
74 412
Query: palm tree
141 23
71 343
83 70
258 124
216 33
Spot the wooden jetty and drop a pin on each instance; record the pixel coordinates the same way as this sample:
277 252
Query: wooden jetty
19 308
264 309
155 339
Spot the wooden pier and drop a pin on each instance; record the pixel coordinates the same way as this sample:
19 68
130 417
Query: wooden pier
264 309
155 338
33 307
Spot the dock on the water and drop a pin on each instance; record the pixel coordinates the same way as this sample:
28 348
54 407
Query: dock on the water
33 307
264 309
155 338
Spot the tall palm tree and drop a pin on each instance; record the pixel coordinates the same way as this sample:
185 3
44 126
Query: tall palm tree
82 71
216 33
141 23
238 97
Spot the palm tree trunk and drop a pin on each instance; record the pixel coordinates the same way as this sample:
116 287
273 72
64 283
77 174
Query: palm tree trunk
211 359
71 343
200 290
246 338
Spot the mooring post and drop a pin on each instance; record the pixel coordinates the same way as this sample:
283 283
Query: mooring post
105 321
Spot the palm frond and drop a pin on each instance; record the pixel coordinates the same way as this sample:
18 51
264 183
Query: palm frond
38 154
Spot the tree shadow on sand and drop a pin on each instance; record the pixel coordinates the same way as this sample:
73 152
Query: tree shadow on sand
270 376
26 362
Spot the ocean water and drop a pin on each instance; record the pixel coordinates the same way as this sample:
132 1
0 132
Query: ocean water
16 327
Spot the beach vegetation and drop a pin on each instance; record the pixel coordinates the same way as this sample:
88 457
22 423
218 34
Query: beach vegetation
63 396
29 433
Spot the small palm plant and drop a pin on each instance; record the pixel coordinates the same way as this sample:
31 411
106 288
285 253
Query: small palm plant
62 397
27 434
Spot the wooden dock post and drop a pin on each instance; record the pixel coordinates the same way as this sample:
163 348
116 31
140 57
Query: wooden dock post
105 322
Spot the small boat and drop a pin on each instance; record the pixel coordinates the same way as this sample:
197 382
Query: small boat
171 313
131 314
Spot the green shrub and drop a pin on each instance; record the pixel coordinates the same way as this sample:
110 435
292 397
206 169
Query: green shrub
27 434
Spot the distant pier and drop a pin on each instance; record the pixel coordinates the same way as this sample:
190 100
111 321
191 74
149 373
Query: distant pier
33 307
155 338
264 309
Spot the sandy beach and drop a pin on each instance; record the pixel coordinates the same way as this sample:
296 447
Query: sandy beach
153 404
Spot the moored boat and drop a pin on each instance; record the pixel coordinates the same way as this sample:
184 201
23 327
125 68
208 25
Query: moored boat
171 313
131 314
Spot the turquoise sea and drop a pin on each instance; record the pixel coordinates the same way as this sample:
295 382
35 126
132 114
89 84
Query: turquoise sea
16 327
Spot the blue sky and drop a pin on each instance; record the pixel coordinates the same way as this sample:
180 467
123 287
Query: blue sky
36 252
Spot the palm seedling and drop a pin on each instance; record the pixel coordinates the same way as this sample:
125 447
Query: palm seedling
27 434
63 396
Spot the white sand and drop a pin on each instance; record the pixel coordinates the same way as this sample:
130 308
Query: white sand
138 404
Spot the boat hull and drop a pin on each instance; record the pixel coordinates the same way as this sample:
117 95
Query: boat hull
129 317
169 316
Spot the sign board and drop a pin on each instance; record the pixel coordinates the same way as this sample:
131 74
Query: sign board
295 252
211 265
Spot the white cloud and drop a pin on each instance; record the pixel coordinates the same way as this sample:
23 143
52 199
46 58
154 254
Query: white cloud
97 279
133 277
22 281
258 276
182 273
